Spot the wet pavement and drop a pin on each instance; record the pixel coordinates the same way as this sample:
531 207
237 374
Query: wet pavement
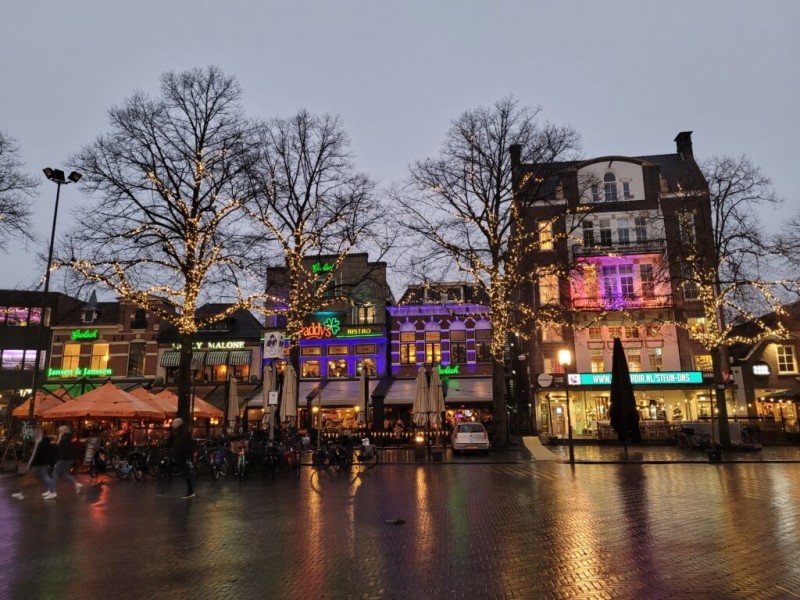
591 453
502 529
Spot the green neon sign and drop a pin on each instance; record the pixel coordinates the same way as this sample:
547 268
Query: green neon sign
318 267
86 334
645 378
79 372
448 370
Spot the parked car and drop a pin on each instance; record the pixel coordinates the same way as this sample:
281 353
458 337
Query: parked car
470 436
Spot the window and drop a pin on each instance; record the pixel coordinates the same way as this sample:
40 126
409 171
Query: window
626 281
634 360
136 354
309 368
640 229
632 332
615 332
597 362
12 359
610 187
458 352
458 335
365 314
433 336
653 330
595 333
656 358
595 193
337 350
690 290
545 235
311 351
610 282
71 357
99 356
369 364
552 333
483 351
551 364
687 227
588 233
590 281
623 231
483 334
626 190
16 316
605 232
702 362
647 280
433 352
696 324
786 362
139 320
337 369
548 289
408 348
366 349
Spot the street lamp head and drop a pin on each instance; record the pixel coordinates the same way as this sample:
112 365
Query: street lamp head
56 175
75 177
564 357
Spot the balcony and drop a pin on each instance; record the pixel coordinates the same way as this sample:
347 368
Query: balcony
621 302
645 247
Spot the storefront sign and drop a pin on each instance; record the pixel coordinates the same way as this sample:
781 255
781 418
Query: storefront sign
544 379
86 334
646 378
448 370
317 331
761 369
79 372
319 267
235 345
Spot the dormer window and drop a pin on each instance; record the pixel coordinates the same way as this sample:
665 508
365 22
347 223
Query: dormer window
139 320
89 316
610 187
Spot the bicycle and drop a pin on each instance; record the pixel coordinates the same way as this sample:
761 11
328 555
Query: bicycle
365 454
239 448
212 454
690 440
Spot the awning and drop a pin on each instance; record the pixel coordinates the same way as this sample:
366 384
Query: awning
217 357
401 392
171 359
792 394
336 392
197 359
465 391
240 357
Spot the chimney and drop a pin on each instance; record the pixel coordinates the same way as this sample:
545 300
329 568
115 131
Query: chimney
516 154
683 142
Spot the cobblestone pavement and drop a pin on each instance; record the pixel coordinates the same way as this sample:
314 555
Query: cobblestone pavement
616 453
467 531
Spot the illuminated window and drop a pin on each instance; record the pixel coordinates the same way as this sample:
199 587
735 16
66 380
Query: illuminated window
595 333
369 364
309 368
136 355
407 336
615 332
433 336
634 360
610 187
647 280
12 359
626 281
656 358
545 235
483 351
552 333
597 361
433 352
632 332
702 362
99 356
458 335
366 314
590 281
548 289
71 357
786 362
408 354
483 334
365 349
337 369
337 350
311 351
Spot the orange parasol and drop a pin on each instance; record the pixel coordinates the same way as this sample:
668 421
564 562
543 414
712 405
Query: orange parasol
202 409
41 403
157 401
107 401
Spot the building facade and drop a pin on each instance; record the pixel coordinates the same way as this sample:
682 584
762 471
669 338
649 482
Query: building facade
620 225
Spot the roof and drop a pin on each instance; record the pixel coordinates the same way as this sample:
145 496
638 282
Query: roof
107 314
750 328
241 324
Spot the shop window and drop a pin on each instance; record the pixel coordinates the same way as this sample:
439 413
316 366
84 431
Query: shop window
656 357
241 372
786 360
311 351
702 362
634 360
12 359
632 333
366 349
309 369
458 352
219 373
483 351
71 357
30 359
433 352
337 350
99 356
597 361
136 354
369 365
595 333
408 354
337 369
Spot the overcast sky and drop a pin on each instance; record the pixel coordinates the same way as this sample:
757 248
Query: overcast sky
627 75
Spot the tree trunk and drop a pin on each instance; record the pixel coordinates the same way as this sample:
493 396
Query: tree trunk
499 408
719 360
185 378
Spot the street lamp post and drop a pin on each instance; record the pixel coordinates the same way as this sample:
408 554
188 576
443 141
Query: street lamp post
57 177
564 359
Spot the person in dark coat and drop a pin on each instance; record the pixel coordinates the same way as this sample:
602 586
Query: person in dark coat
66 457
38 466
181 450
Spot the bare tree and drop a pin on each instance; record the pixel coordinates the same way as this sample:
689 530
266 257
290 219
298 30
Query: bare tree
724 257
311 201
169 184
461 211
16 190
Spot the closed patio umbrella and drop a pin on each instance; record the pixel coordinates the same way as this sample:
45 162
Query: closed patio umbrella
436 397
289 395
421 406
233 403
623 414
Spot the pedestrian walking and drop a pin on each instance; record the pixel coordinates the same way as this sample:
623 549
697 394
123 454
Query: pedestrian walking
181 449
38 467
66 456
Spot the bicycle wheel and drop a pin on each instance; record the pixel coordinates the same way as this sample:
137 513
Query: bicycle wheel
369 457
93 468
320 459
139 468
123 469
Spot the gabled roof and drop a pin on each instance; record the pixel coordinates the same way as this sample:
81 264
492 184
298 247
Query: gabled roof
241 325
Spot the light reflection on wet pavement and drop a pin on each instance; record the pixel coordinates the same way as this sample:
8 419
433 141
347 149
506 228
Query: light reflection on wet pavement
516 530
